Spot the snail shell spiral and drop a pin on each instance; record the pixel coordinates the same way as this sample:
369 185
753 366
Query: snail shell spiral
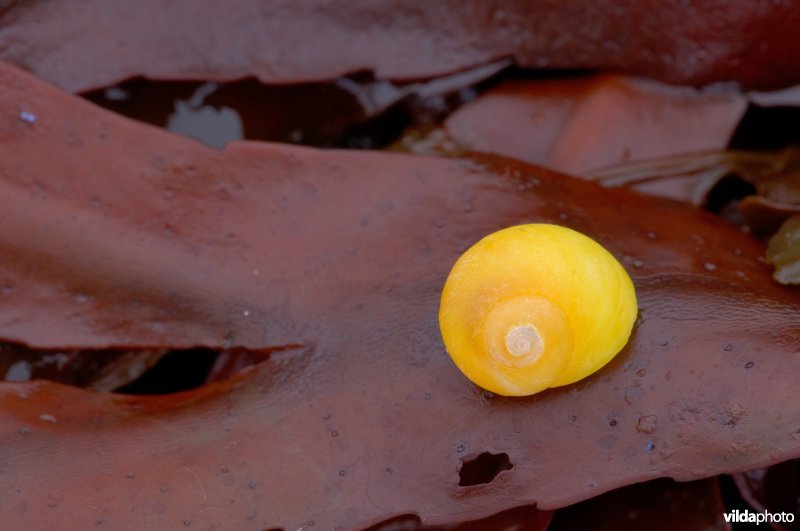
535 306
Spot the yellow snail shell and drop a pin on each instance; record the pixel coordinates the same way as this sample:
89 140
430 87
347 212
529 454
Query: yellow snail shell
535 306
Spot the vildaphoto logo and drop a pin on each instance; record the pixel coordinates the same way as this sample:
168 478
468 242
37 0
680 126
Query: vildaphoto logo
740 517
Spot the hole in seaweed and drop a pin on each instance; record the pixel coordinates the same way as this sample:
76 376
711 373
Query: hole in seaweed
357 111
179 370
97 369
137 371
728 190
767 128
483 469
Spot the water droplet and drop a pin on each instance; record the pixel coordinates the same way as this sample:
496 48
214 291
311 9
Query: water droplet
342 473
651 235
27 117
326 415
48 418
650 446
728 347
246 313
252 485
527 184
460 448
749 365
52 502
164 488
334 433
158 327
130 475
641 373
223 469
467 208
187 522
389 471
710 266
635 262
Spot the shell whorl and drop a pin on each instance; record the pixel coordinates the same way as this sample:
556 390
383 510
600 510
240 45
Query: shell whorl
535 306
524 342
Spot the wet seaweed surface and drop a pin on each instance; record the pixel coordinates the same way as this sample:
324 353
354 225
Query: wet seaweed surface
266 313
